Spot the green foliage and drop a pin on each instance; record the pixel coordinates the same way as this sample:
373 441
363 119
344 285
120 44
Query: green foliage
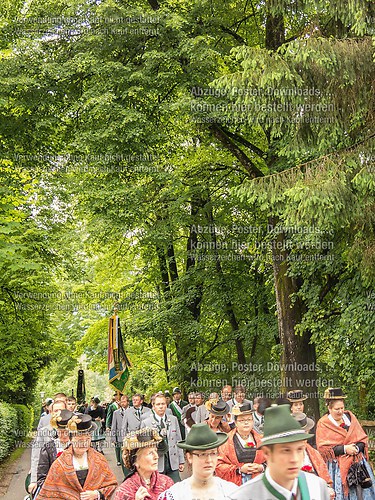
25 419
117 186
9 425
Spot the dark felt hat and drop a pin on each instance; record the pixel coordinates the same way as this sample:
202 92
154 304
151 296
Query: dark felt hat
81 423
219 408
334 393
296 396
142 438
60 419
244 409
304 421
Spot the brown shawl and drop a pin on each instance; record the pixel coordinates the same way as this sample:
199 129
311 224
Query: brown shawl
62 481
228 463
319 464
329 435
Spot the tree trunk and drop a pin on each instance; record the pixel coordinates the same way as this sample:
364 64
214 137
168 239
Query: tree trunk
298 358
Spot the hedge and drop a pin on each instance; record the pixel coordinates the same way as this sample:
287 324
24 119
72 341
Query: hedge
15 426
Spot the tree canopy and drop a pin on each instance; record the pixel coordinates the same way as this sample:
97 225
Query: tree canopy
207 165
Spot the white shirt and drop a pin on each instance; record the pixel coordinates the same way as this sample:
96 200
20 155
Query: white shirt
344 417
286 493
85 464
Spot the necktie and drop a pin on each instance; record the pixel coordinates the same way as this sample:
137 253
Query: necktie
162 424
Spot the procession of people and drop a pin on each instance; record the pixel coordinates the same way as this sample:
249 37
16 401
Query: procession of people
242 450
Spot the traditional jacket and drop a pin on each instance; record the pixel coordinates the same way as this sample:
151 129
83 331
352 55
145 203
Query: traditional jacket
172 435
62 481
319 465
228 464
47 456
127 490
329 435
257 489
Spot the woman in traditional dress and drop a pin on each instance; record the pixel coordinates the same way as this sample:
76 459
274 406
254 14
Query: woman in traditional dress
341 441
140 456
80 472
239 459
201 447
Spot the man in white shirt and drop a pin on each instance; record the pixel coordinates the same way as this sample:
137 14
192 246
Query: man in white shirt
171 458
283 444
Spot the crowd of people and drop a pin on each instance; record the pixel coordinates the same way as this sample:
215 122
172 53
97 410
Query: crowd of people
222 447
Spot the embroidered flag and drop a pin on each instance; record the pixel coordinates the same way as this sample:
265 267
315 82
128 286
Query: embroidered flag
118 362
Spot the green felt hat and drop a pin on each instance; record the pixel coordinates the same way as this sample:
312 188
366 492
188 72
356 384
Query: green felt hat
201 437
281 427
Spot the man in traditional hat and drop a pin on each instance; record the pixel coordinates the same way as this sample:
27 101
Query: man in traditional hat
176 406
168 397
283 444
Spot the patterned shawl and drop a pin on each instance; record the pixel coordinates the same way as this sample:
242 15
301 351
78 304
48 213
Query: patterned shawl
319 464
159 483
62 481
228 463
329 435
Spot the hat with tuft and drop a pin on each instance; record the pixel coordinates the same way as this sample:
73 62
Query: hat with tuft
81 423
280 427
244 409
60 419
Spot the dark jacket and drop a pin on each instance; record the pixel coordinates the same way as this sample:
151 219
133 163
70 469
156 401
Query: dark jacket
46 458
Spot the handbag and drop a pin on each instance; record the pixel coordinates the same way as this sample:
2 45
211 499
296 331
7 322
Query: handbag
358 476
